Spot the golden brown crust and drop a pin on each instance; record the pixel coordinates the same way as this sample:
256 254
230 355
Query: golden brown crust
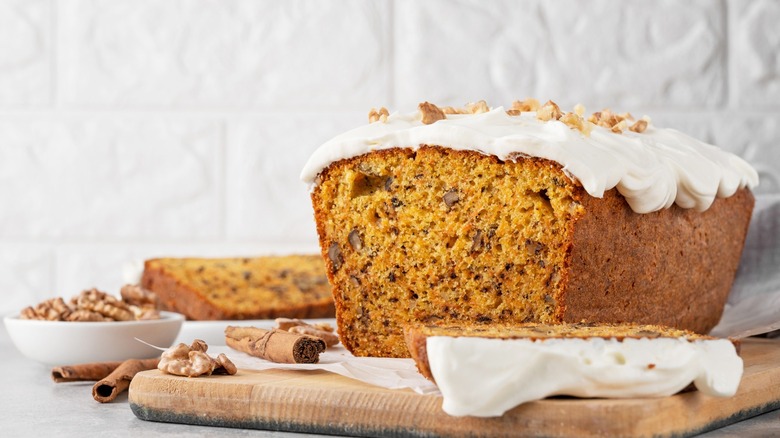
424 236
416 342
241 288
672 267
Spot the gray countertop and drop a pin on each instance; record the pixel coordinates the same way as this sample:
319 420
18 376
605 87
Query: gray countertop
31 404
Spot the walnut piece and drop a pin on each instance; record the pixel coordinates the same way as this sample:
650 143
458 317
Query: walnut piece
378 115
84 315
143 303
523 106
192 361
431 113
450 198
135 295
469 108
640 126
105 305
53 309
452 110
549 111
477 107
575 121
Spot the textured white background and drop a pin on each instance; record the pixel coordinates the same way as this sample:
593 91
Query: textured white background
139 128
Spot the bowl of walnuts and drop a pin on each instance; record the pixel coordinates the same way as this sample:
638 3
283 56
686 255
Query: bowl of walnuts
94 327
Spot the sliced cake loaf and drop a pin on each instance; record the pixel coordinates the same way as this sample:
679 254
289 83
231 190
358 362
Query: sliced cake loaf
241 288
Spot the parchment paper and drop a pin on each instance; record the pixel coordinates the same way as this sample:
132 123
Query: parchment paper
384 372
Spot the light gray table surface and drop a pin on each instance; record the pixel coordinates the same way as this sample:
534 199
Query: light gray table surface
32 405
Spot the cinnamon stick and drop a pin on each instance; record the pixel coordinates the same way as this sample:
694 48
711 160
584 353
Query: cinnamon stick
275 345
107 389
329 338
83 372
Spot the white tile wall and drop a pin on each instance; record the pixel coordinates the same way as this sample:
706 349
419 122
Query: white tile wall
26 29
138 128
603 53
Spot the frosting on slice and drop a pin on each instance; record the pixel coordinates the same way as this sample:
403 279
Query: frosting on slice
652 170
487 377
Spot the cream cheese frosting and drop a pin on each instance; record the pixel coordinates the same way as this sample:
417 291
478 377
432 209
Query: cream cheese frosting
652 170
487 377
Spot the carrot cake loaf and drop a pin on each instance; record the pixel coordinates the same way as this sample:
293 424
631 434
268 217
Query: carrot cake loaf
526 214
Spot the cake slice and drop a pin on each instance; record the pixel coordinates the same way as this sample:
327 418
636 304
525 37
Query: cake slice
487 370
292 286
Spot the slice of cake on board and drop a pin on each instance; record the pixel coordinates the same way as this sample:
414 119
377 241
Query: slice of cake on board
487 370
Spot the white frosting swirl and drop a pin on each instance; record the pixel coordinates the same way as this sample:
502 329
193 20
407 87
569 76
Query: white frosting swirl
652 170
487 377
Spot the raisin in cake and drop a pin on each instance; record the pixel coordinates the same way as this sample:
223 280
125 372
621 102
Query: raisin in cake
292 286
526 215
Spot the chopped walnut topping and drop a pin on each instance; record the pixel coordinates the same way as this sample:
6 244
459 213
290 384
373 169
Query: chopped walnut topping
477 107
453 110
617 123
431 113
549 111
469 108
640 125
619 127
575 121
523 106
378 115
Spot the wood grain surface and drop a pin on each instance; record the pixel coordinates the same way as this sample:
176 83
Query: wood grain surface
322 402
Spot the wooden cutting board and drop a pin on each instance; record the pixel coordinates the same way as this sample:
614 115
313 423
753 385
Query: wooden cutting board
322 402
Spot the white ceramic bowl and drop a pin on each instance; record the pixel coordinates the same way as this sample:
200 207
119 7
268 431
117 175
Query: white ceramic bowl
69 343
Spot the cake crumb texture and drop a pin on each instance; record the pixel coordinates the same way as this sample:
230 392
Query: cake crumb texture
292 286
437 235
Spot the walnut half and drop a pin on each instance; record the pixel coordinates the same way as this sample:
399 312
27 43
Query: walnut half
192 361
